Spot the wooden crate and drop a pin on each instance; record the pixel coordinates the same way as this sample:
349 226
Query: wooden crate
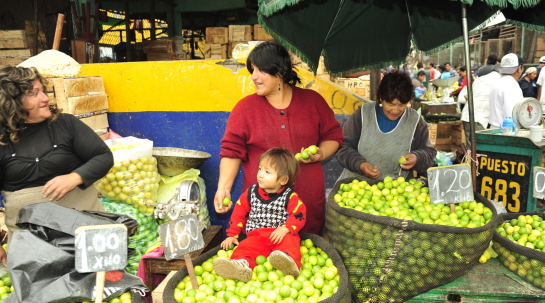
11 61
78 95
356 85
79 51
447 135
240 33
217 35
98 123
157 293
458 137
215 51
163 56
158 46
12 39
30 40
260 34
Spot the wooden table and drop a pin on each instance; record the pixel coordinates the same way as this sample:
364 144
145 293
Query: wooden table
212 237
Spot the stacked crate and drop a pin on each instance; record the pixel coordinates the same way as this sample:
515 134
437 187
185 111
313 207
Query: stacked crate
83 97
260 34
239 34
13 47
160 50
217 41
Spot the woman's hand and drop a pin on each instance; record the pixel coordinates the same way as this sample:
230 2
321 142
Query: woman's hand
3 256
317 157
278 234
227 243
369 170
218 201
410 161
59 186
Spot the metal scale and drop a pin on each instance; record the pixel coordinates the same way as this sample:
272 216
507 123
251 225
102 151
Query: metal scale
172 162
446 85
527 112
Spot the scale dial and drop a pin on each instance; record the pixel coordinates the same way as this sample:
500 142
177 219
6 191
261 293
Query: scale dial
527 112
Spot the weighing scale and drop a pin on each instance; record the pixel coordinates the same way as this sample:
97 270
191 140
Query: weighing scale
446 85
171 162
527 112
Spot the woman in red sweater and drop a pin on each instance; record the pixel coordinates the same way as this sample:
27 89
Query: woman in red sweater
279 114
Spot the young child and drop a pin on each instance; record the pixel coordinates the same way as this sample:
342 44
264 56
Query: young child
272 215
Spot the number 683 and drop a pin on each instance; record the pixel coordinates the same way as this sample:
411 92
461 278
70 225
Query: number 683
497 189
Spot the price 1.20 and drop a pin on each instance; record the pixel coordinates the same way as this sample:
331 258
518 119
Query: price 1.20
451 184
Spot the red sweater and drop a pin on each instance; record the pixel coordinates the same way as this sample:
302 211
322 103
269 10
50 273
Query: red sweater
296 211
255 126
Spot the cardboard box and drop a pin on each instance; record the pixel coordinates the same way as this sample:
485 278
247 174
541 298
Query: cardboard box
356 85
78 95
260 34
217 35
215 51
13 39
96 122
240 33
447 135
158 46
157 293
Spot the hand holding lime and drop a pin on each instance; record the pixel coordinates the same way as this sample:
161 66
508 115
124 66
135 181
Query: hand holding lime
313 149
226 201
401 160
298 156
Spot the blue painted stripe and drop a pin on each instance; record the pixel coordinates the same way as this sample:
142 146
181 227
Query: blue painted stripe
198 131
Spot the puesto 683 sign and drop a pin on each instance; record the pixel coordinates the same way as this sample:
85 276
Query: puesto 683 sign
505 178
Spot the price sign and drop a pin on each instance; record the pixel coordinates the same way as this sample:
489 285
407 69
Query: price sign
450 184
181 236
101 248
539 182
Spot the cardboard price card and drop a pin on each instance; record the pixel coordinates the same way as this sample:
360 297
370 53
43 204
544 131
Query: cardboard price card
101 248
539 182
181 236
450 184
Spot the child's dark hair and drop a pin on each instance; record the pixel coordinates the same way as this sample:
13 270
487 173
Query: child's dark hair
283 161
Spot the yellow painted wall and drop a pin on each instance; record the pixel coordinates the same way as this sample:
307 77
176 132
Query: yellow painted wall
198 85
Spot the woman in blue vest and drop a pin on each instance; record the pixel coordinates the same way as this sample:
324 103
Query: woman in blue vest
379 133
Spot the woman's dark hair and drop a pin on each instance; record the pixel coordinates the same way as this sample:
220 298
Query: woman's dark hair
273 59
442 68
462 69
15 83
395 86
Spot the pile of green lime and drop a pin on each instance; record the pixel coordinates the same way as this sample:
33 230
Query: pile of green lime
526 230
409 200
318 280
6 288
125 297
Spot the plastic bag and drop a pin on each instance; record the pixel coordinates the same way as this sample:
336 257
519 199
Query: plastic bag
134 178
42 258
419 91
145 236
242 50
442 159
169 208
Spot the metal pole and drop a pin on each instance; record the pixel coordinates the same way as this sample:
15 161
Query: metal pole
36 29
470 98
451 64
128 30
374 82
522 43
152 21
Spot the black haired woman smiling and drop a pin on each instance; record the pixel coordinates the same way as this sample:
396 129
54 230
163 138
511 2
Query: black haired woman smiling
44 155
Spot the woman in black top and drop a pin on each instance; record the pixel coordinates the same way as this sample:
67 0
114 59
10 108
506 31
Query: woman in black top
44 155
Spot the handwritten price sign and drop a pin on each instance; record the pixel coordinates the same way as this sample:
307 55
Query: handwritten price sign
450 184
181 236
101 248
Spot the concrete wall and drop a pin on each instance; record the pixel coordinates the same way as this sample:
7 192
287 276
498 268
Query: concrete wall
186 104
